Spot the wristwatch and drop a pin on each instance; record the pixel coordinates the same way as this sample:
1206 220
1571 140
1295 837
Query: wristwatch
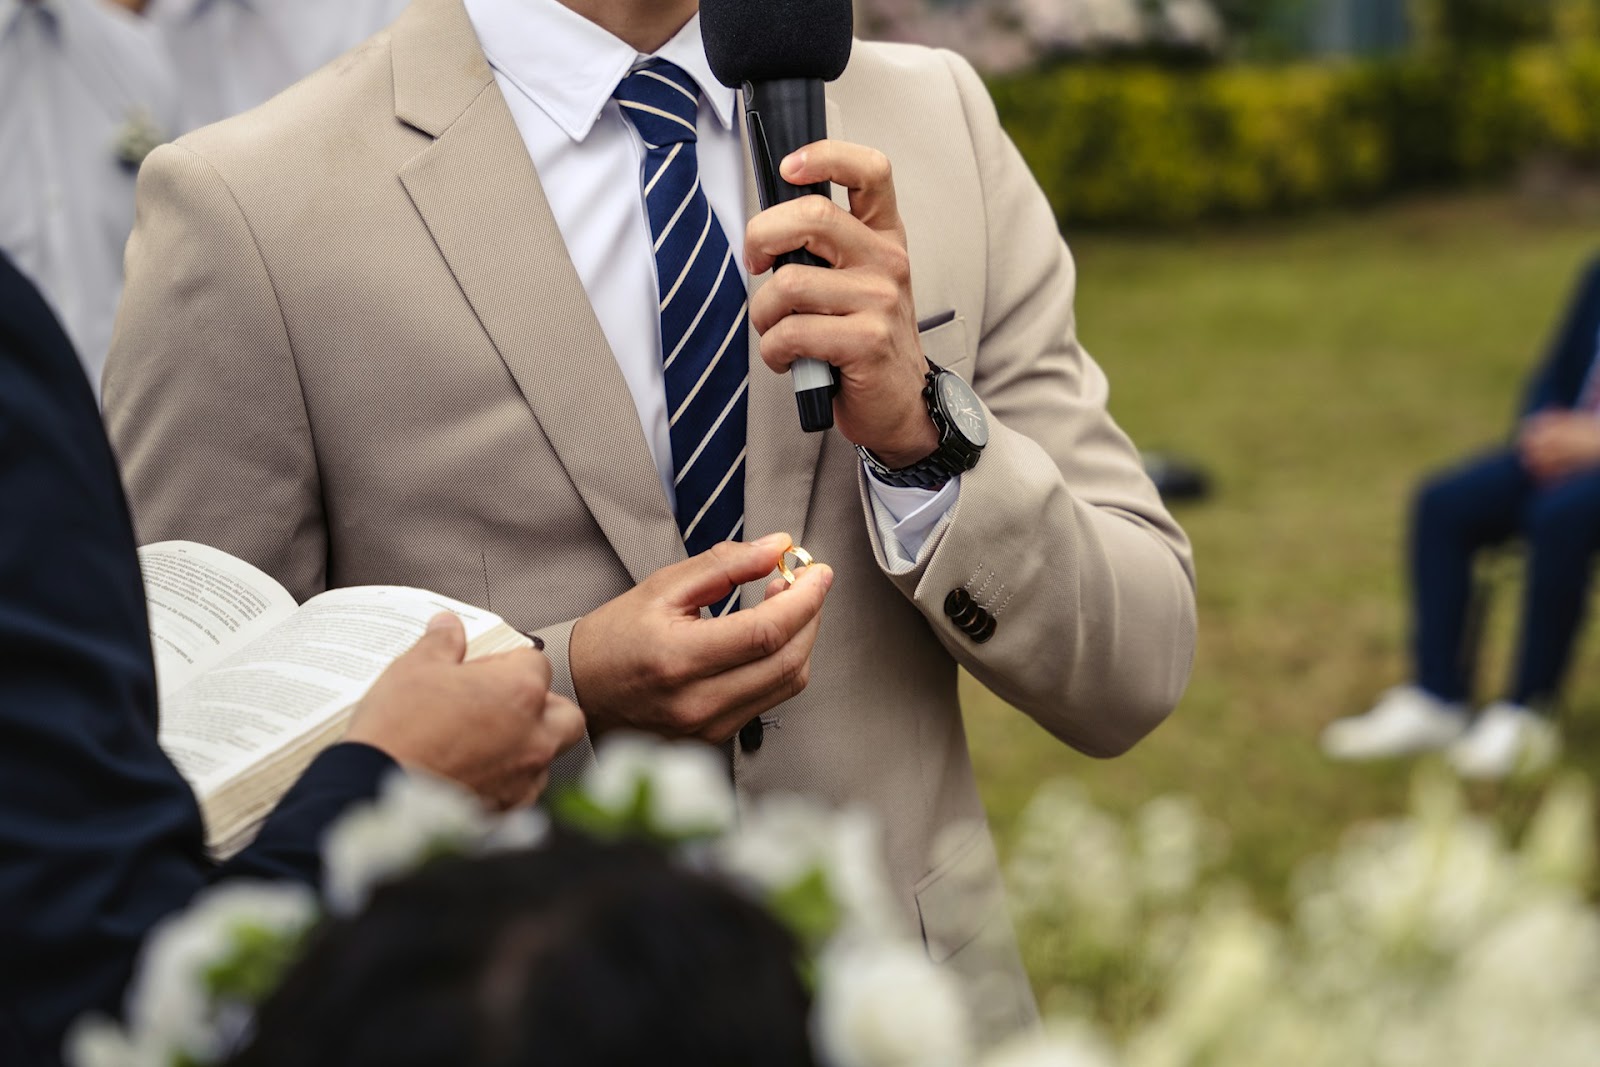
963 432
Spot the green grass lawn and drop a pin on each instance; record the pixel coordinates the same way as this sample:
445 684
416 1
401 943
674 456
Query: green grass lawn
1318 368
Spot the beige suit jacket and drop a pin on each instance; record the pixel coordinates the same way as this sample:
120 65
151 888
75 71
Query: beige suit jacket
353 350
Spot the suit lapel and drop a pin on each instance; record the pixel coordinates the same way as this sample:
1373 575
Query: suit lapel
478 195
781 459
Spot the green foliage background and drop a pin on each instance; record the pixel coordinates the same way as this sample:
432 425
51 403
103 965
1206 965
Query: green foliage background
1144 145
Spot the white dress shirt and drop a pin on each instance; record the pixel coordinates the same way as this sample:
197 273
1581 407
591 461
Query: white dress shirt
78 79
231 55
557 71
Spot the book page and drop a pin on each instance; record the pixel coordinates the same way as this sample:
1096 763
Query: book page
295 678
203 604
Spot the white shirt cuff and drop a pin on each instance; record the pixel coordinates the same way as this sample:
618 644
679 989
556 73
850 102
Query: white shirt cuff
913 513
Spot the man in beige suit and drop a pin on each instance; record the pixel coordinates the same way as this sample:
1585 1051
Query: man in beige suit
371 334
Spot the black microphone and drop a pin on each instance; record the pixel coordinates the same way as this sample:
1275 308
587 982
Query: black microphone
780 52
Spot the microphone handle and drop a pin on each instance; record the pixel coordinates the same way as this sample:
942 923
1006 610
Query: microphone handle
783 116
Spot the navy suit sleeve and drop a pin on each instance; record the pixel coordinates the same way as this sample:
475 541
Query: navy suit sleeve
99 835
1572 351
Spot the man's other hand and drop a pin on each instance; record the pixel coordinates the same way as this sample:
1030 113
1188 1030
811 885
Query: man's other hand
1557 444
648 661
493 725
859 316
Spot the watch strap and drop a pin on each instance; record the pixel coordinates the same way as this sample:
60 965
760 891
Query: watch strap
954 456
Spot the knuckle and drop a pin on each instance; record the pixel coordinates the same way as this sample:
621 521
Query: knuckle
766 637
727 556
796 672
897 261
817 210
683 716
668 673
772 351
879 333
769 308
542 751
885 293
788 285
879 170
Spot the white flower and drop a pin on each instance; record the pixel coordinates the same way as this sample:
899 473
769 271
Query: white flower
414 818
1082 23
1172 846
884 1004
95 1041
1194 22
1059 1047
1559 848
517 831
784 838
688 786
1218 986
1071 858
170 1005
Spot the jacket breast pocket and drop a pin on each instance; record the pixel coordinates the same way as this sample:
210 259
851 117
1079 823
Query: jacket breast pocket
944 340
962 896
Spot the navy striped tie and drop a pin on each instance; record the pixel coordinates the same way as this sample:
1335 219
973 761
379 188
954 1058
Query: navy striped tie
704 344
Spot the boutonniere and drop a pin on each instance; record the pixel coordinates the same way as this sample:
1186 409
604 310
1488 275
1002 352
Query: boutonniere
137 137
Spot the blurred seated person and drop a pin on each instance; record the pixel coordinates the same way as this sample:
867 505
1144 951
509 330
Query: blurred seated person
85 93
1544 489
99 835
231 55
576 954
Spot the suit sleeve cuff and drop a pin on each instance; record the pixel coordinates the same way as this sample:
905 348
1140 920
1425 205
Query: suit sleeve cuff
290 843
906 516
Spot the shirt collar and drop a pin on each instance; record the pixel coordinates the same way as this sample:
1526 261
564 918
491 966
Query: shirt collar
570 66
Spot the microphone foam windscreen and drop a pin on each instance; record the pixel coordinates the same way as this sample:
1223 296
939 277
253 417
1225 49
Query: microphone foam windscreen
768 40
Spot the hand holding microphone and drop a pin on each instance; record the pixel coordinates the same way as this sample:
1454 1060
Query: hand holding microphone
848 335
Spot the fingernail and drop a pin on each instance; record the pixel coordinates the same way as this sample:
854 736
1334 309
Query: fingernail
538 642
775 540
793 161
827 576
440 621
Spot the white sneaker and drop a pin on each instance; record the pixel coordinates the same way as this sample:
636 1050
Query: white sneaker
1405 720
1506 738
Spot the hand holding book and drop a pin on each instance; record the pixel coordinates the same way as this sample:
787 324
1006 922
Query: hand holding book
503 728
253 687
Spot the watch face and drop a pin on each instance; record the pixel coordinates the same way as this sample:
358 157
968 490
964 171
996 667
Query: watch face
961 407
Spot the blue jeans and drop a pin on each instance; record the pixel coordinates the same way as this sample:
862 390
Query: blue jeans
1485 502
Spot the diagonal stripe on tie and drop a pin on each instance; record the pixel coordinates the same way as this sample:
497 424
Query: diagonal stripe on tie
703 313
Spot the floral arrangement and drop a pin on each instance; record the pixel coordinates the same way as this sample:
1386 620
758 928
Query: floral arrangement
1423 940
879 1001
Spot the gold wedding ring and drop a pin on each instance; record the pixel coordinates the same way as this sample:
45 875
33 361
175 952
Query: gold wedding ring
802 559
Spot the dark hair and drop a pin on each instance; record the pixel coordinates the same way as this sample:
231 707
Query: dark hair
578 954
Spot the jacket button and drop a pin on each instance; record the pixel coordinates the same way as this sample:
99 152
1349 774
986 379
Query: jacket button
973 622
750 735
972 617
987 630
957 602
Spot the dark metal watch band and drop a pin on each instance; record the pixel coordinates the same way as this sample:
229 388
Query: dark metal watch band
953 455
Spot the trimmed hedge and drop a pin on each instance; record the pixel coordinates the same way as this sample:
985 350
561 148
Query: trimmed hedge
1146 145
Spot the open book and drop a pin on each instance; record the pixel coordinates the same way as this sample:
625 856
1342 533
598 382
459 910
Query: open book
252 686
